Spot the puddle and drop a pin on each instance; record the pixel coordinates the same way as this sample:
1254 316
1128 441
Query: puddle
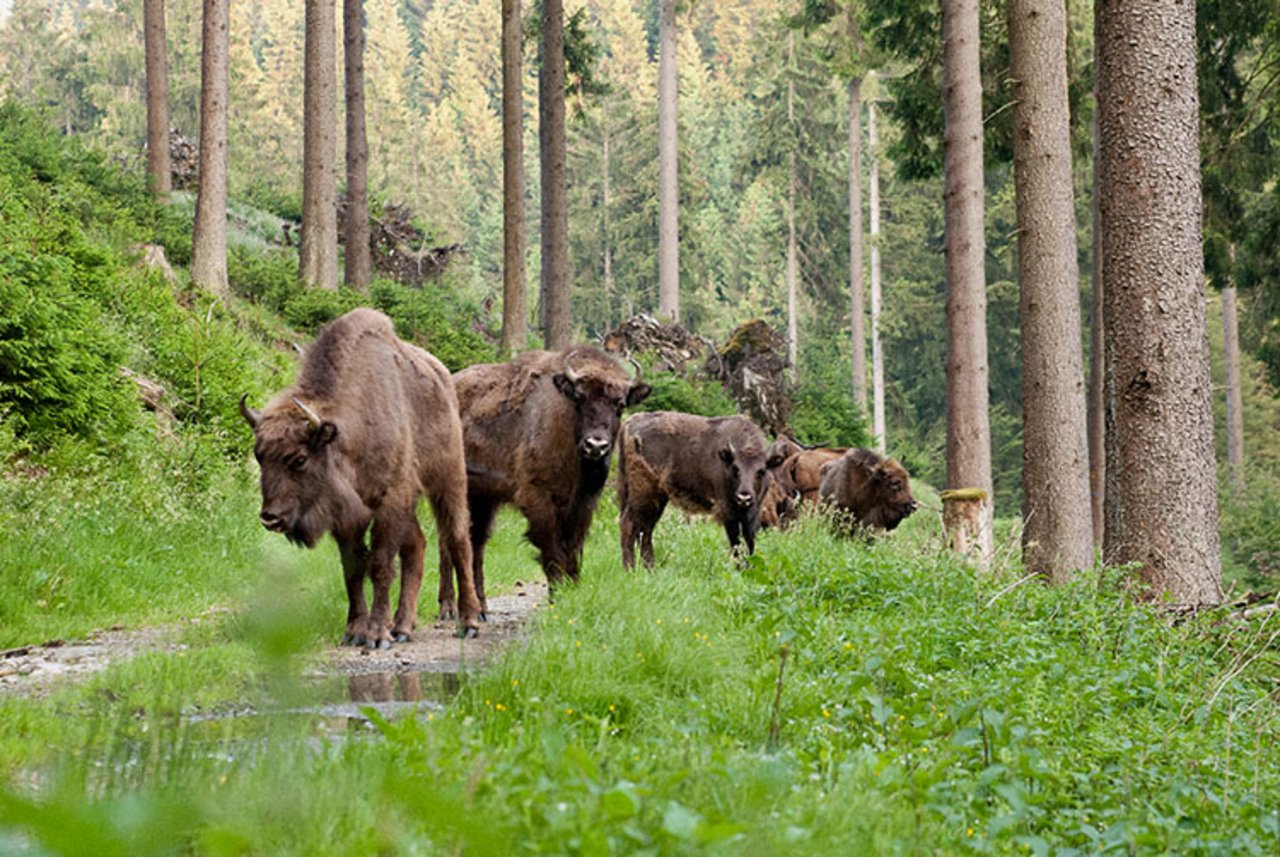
332 704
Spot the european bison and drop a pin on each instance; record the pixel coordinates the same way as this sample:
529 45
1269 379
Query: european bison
370 427
713 465
539 433
872 492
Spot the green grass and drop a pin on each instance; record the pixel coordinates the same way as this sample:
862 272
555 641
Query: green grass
916 714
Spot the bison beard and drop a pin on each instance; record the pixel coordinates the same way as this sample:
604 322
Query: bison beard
714 466
869 492
370 427
539 433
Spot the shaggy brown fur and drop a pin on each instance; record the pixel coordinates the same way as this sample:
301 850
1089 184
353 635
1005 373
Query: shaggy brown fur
369 428
715 466
870 491
539 434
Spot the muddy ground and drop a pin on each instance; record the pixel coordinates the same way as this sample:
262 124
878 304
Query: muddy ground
35 670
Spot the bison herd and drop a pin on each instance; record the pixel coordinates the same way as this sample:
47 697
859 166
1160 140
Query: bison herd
373 424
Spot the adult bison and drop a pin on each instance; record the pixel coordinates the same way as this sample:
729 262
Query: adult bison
539 433
717 466
869 491
370 426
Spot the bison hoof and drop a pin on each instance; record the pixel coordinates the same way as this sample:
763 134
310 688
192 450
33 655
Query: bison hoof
353 640
379 644
468 633
483 617
402 637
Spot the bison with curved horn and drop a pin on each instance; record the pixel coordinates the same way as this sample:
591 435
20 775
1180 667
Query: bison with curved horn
539 433
370 427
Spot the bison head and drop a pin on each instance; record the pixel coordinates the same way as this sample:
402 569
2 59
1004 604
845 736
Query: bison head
885 497
598 401
303 495
746 474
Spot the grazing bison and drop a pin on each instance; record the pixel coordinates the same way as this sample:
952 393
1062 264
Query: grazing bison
539 433
711 465
873 492
370 426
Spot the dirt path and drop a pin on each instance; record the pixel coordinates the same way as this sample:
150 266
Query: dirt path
33 671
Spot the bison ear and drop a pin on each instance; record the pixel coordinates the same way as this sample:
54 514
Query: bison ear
566 386
638 393
325 434
777 454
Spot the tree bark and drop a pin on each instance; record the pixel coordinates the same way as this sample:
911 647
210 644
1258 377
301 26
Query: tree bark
668 186
513 242
1057 526
968 421
877 354
209 239
1164 515
358 258
857 308
792 325
1235 398
555 213
1097 375
607 225
318 253
155 46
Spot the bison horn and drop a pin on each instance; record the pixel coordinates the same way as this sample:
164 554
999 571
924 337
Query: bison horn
250 415
572 374
312 416
639 368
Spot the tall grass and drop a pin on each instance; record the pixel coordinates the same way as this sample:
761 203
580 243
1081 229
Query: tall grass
825 696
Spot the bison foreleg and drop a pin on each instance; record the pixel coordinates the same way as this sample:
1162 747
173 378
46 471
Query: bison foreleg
412 551
354 557
391 529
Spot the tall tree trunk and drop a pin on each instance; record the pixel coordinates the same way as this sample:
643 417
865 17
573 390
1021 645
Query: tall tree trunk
857 308
668 186
158 170
1057 534
877 354
968 421
513 252
1165 509
358 261
209 240
555 213
1235 398
318 263
793 337
1097 375
606 201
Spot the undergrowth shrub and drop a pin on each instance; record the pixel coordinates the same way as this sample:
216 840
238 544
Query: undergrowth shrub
1250 531
823 410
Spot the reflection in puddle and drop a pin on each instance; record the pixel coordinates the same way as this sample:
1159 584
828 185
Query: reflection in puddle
340 703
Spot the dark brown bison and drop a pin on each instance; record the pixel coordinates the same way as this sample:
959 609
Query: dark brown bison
871 492
370 427
539 434
716 466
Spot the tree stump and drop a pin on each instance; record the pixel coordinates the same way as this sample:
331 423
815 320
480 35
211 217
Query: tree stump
962 523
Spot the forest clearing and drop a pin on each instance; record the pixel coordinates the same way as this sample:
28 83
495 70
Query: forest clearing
922 354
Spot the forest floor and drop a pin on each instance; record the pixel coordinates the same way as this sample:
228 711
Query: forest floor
33 671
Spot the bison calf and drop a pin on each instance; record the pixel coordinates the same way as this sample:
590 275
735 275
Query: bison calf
717 466
370 427
869 491
539 434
